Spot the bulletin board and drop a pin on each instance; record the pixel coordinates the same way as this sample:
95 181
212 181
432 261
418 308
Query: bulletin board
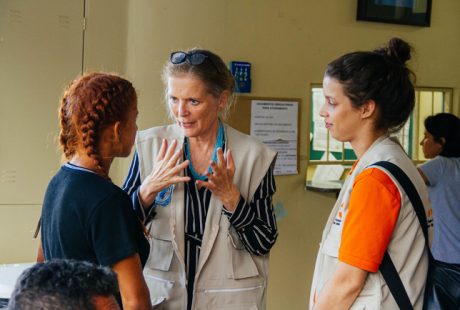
240 118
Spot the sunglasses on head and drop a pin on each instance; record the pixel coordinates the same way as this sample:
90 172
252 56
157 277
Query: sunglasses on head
193 58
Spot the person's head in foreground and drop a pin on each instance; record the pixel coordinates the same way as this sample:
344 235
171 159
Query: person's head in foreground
65 285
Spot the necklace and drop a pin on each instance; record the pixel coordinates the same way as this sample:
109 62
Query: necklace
219 144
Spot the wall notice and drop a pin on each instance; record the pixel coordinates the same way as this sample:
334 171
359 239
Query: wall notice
275 124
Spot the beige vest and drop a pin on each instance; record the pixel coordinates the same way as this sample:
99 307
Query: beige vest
228 276
407 243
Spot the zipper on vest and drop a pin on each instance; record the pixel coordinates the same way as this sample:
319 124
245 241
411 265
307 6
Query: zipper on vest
232 290
159 279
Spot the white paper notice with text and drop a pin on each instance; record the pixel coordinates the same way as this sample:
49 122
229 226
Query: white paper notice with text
275 124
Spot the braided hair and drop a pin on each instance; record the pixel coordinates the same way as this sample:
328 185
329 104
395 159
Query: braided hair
89 104
381 76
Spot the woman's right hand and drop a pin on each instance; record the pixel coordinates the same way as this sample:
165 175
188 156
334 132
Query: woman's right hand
165 173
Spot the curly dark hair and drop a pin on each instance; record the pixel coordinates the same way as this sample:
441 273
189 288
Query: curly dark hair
62 284
89 104
382 76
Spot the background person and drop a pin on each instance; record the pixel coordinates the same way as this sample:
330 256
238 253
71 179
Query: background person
65 285
211 188
367 96
441 144
84 215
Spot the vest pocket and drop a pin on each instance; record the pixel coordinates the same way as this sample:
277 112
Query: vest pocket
243 298
370 296
366 302
161 254
159 288
233 307
243 265
330 246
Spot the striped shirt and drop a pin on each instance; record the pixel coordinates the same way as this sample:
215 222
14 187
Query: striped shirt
253 221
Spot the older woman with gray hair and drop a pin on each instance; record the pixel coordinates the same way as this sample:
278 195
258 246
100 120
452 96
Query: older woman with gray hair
204 190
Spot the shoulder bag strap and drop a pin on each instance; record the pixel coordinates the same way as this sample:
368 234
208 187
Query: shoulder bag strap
387 267
411 192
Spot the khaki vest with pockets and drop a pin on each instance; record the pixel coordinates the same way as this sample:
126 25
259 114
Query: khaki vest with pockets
228 276
407 243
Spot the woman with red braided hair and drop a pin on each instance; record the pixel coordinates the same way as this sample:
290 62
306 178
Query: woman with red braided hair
85 216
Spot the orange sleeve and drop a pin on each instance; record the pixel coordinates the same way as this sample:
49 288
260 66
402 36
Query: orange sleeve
372 214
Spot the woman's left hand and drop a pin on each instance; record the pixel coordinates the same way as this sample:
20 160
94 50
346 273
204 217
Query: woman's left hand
220 181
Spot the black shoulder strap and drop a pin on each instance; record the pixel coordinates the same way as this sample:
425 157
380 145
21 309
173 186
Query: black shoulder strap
410 191
387 267
395 285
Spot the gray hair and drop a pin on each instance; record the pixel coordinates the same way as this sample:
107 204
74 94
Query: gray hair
212 72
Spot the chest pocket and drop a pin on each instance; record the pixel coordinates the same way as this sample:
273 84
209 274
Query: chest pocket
161 254
161 246
243 265
331 244
332 241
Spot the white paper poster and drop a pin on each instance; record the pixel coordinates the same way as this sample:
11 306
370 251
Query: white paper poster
275 124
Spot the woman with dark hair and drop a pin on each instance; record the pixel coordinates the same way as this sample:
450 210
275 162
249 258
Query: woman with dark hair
84 215
65 284
441 144
211 189
368 96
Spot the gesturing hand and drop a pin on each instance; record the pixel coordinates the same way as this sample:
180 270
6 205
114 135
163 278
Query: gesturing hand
165 173
220 181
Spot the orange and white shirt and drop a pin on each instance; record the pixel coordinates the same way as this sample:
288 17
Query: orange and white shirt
372 215
373 210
